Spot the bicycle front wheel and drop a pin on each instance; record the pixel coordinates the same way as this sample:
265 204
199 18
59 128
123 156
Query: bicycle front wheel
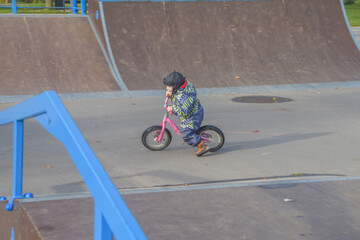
212 137
151 134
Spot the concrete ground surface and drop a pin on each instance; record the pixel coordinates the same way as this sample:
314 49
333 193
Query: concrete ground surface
356 33
288 170
313 136
313 211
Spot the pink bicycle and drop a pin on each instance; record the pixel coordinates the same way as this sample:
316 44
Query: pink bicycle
157 137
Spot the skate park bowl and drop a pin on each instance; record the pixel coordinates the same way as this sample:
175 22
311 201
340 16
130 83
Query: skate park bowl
122 50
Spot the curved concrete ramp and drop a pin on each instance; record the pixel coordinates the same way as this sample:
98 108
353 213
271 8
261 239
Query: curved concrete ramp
59 53
317 210
230 43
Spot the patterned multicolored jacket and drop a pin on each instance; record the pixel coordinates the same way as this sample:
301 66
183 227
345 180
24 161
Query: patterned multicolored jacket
187 106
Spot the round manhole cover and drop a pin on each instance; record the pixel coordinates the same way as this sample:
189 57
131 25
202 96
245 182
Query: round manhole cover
261 99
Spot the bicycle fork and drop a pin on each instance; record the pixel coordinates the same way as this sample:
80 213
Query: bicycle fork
165 120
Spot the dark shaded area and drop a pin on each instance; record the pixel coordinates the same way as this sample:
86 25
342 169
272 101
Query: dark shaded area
232 43
261 99
19 220
51 53
322 211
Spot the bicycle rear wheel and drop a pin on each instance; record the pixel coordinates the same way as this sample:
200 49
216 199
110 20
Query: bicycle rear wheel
212 137
151 134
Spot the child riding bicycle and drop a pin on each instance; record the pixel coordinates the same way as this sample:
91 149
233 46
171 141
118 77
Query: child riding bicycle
187 106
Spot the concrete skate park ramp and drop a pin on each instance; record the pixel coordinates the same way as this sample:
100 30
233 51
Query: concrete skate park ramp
51 53
318 210
228 43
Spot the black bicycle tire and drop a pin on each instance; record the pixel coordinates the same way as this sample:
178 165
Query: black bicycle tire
218 131
155 128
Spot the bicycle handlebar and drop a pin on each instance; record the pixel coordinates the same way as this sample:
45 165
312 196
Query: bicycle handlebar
166 101
165 104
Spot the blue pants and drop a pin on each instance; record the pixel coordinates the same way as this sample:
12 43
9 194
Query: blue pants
189 127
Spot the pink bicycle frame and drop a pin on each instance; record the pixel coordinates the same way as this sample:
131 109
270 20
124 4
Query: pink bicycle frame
165 120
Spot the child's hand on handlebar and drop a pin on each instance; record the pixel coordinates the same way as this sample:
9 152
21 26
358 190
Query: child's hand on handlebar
169 90
168 93
169 109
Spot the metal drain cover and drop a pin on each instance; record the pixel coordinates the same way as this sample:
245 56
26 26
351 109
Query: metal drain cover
261 99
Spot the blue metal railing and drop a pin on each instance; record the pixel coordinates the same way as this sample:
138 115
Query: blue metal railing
112 216
14 7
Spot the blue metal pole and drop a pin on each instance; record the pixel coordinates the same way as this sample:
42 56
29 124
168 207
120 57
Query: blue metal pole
74 6
113 217
12 234
102 230
83 7
14 8
18 147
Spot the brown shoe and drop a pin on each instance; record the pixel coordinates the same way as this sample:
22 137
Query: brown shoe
202 149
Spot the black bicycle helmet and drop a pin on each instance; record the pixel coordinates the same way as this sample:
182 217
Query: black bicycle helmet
174 79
